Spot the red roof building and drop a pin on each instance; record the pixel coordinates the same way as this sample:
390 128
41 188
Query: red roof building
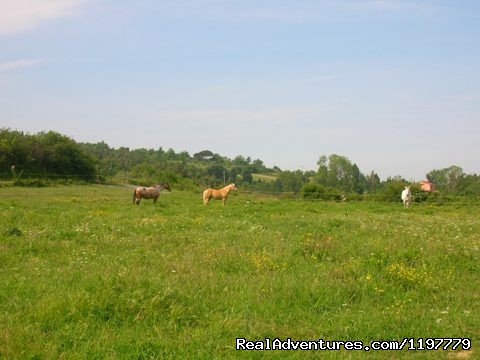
428 186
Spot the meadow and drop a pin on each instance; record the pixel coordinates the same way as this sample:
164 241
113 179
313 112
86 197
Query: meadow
85 274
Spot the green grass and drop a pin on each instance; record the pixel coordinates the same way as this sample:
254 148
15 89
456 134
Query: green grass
264 177
84 274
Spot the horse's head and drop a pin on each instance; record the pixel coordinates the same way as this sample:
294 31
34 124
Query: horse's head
233 187
166 186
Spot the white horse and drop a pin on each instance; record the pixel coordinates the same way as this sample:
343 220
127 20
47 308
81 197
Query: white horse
406 197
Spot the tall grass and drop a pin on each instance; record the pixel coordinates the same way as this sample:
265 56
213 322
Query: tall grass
86 274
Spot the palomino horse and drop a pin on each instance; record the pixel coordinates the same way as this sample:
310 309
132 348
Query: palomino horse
406 197
149 192
218 194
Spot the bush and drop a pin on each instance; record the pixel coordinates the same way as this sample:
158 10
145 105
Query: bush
31 182
313 191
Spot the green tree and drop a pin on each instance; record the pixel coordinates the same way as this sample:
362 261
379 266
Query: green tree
338 172
45 154
291 181
372 182
447 179
204 155
247 175
469 185
218 173
240 161
64 157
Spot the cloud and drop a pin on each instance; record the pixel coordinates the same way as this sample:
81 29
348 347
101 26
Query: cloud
20 64
17 16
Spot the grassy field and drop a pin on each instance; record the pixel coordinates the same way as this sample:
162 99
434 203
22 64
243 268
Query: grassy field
84 274
264 177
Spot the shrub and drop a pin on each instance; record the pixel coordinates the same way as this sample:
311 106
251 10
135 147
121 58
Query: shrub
31 182
312 191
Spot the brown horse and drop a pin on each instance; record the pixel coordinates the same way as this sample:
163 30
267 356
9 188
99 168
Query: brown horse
149 192
218 194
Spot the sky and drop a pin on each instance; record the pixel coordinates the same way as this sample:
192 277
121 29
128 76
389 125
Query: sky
392 85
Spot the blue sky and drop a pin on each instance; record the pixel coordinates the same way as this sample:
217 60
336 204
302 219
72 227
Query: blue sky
392 85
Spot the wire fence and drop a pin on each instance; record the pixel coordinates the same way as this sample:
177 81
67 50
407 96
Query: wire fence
9 176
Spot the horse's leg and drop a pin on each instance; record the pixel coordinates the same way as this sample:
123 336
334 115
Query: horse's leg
155 199
224 200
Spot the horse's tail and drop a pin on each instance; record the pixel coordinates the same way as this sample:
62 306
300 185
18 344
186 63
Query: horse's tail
205 196
134 196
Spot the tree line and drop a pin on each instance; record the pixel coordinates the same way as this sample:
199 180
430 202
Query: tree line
46 154
50 155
